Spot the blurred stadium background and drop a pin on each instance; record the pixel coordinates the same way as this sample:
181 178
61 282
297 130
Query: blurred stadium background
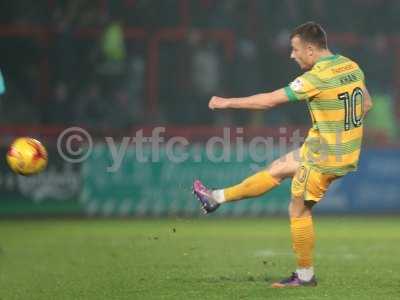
115 67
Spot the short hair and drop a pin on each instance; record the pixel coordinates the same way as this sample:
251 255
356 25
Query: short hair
311 32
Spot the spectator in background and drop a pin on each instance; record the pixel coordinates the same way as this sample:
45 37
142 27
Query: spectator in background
216 14
121 112
60 109
205 74
246 62
24 13
125 107
113 44
134 85
206 69
112 67
64 53
91 110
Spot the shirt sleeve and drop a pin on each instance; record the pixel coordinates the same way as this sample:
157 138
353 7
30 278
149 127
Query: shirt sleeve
301 89
362 76
2 85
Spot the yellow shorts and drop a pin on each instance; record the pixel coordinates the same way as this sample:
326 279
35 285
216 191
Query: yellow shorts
310 184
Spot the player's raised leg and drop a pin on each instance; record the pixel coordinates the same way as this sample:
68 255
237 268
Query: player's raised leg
251 187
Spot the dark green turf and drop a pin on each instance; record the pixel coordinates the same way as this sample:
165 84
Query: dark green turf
207 258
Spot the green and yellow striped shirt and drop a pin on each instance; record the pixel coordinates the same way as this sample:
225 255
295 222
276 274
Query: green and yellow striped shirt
333 90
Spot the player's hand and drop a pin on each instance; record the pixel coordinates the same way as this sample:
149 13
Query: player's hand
218 103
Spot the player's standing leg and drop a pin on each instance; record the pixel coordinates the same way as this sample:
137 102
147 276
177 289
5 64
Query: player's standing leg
308 187
302 231
252 186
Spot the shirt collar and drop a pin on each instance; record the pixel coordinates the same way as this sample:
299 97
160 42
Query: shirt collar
328 58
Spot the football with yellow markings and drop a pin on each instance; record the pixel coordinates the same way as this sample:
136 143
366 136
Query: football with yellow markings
27 156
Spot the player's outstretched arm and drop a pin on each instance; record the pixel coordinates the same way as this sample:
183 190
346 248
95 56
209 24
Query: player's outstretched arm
259 101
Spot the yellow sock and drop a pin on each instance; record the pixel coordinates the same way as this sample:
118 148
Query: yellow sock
303 240
252 186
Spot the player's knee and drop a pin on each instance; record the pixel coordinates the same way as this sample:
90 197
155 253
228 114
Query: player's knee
278 169
299 208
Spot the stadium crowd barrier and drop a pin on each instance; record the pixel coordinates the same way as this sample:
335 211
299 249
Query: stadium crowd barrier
161 187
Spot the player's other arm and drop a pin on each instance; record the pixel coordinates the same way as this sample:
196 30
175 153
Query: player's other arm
367 100
259 102
2 85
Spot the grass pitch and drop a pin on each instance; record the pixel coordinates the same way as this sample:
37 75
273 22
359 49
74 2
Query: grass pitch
207 258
